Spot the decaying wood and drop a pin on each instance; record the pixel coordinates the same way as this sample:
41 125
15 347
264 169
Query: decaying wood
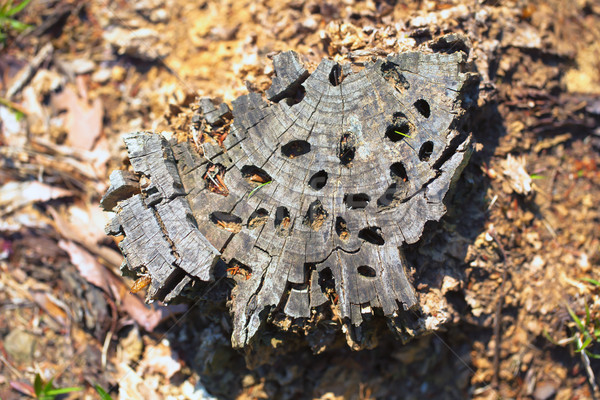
311 194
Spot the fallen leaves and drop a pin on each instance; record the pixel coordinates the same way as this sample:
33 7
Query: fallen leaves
83 121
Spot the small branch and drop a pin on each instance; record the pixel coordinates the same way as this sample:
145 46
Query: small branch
498 312
27 72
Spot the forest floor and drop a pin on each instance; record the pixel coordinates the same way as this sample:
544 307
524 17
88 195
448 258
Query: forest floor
523 227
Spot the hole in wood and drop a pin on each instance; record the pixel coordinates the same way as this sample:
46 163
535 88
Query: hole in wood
347 149
318 180
255 175
426 151
315 216
391 73
336 76
341 228
423 108
326 281
227 221
257 218
236 268
356 201
296 97
372 235
295 148
282 221
399 129
214 177
366 271
398 172
395 194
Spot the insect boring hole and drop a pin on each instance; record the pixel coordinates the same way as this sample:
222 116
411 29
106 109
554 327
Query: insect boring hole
347 149
423 108
236 268
326 281
356 201
366 271
214 178
400 128
255 175
296 97
341 229
398 172
318 180
282 221
257 218
390 72
227 221
426 151
336 76
295 148
315 216
372 235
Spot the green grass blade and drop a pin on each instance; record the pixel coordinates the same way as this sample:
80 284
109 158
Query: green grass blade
102 393
48 387
536 176
576 319
18 8
256 188
592 281
56 392
37 384
588 318
593 355
584 345
5 8
403 134
18 25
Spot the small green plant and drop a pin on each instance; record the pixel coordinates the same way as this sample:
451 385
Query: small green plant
47 391
587 332
256 188
584 333
7 12
403 134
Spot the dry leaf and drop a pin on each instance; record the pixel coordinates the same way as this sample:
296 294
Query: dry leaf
87 265
513 169
15 195
83 122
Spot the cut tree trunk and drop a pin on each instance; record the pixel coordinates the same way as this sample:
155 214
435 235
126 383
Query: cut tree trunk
308 195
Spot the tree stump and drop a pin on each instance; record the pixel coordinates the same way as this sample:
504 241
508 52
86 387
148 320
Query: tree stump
307 195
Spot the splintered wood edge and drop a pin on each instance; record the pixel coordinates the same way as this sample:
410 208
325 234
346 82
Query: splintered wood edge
312 193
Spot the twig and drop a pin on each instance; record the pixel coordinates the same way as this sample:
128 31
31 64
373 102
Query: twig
27 72
498 312
588 369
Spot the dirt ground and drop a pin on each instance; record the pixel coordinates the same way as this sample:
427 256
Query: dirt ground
519 247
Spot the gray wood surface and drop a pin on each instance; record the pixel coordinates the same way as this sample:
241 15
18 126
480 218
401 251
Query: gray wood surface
313 192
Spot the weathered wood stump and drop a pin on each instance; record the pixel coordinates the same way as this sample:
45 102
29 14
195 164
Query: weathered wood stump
308 195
